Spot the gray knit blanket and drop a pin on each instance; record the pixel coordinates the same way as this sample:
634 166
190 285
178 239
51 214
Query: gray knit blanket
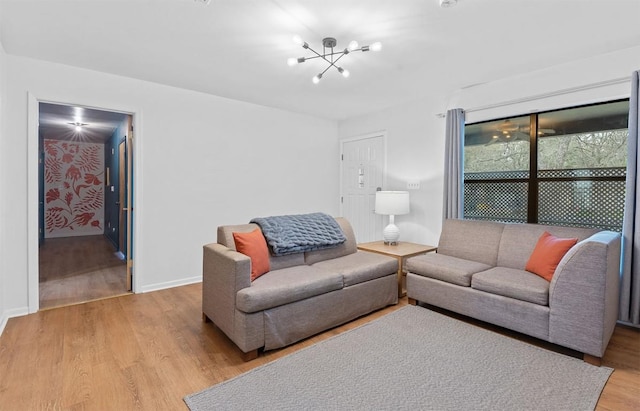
289 234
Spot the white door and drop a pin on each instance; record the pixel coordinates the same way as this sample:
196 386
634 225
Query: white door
362 173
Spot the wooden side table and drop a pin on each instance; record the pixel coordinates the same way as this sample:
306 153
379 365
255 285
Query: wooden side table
400 252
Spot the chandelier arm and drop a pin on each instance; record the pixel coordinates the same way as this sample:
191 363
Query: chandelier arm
341 56
312 57
318 55
325 70
332 62
322 56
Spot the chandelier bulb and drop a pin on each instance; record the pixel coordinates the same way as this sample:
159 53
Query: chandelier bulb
292 61
345 73
297 40
352 45
316 78
377 46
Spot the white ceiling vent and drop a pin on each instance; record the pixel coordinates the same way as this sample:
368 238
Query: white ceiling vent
448 3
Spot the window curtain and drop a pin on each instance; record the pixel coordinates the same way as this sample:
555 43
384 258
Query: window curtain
630 280
453 165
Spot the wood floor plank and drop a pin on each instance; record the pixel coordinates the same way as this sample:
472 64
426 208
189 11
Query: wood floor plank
77 358
147 351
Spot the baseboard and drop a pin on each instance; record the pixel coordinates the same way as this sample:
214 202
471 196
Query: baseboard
171 284
16 312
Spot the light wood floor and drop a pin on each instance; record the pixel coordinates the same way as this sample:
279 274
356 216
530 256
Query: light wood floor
79 269
147 351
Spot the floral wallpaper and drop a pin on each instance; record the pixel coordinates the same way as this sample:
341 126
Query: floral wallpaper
74 188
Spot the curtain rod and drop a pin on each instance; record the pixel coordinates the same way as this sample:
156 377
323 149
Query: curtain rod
561 92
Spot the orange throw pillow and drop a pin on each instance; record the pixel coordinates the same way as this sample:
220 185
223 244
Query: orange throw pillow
547 255
254 246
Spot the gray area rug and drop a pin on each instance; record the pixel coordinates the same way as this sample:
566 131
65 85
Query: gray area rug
416 359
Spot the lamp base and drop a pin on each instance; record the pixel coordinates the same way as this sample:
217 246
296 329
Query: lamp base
391 234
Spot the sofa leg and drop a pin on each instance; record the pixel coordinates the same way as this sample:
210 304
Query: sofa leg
205 319
251 355
593 360
412 301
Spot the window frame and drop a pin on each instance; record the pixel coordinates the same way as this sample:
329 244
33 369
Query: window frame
533 180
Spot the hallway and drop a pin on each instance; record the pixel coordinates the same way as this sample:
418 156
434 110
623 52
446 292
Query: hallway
79 269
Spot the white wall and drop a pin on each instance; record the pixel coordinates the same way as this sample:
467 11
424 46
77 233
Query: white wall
415 151
201 161
585 81
416 134
3 251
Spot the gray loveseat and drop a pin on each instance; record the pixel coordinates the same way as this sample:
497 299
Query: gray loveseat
302 295
479 271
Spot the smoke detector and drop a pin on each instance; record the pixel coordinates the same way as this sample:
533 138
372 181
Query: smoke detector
205 2
448 3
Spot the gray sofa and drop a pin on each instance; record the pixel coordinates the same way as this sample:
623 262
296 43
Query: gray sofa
479 271
302 295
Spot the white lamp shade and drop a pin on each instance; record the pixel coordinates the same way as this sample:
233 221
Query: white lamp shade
392 202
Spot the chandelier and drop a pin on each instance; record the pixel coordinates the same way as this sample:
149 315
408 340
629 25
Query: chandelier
329 54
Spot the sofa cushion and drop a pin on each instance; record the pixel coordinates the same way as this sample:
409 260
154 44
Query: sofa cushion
348 247
360 266
225 233
286 285
445 268
513 283
254 246
547 255
519 240
471 240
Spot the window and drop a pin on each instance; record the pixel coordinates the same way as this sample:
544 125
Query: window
564 167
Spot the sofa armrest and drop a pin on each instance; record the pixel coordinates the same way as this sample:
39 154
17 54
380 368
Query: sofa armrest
583 295
224 273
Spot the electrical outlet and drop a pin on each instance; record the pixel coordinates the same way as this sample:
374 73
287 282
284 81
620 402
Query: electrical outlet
413 185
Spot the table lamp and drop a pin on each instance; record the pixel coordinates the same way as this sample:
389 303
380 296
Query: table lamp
391 203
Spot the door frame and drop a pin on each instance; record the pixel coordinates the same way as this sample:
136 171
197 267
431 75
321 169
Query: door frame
33 114
381 133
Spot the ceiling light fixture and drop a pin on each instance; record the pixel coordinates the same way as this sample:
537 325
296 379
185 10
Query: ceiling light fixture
78 125
448 3
329 55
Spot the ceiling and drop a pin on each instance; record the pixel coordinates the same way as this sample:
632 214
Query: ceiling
239 48
97 125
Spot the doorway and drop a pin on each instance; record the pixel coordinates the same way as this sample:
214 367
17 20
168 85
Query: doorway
362 172
84 189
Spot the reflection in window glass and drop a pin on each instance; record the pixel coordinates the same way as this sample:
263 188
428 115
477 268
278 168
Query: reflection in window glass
497 146
584 137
